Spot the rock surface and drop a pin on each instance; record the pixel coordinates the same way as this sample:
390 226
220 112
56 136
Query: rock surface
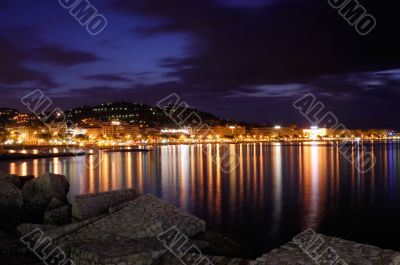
170 259
129 252
91 205
11 177
40 191
142 219
54 204
219 245
11 199
131 235
58 216
349 252
25 228
25 179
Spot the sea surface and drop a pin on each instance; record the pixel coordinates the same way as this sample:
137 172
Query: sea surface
267 194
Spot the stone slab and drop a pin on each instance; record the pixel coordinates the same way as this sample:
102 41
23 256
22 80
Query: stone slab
152 208
350 252
91 205
58 216
170 259
127 252
144 217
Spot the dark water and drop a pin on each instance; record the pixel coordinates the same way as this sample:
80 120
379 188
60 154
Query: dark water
275 192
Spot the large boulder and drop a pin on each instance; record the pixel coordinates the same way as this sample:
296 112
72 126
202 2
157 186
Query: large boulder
38 193
10 197
14 179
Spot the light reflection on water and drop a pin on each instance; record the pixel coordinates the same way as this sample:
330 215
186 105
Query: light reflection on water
275 192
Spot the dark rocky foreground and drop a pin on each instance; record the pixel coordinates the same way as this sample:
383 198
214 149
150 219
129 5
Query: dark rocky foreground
126 228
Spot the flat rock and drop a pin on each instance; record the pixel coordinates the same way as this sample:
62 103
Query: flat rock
91 205
343 251
219 245
145 217
127 252
26 228
152 208
170 259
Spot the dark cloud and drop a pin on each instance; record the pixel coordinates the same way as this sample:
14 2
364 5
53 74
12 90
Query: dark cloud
14 72
108 77
58 55
283 42
98 93
3 4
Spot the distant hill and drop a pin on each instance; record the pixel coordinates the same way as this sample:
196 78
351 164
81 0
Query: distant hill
137 113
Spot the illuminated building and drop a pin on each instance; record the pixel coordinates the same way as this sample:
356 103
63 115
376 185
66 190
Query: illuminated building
57 129
176 131
113 129
228 131
276 132
25 134
315 133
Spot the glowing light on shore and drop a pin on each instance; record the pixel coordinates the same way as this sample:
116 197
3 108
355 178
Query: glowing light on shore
185 131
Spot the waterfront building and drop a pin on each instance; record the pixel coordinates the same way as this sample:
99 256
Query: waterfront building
315 133
114 129
228 131
26 134
276 132
57 129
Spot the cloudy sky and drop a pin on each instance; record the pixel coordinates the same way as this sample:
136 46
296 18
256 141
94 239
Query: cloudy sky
240 59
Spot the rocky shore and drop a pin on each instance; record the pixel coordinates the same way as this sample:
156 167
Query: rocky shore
40 226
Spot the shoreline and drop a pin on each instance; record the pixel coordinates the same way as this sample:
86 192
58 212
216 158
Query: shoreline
328 142
20 156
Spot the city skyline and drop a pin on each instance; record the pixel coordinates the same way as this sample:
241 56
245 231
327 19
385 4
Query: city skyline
88 112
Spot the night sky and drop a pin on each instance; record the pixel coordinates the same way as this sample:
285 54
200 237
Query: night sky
239 59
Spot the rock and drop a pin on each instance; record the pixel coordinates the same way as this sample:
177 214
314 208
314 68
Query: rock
170 259
129 252
117 208
11 199
14 179
58 216
152 208
338 251
13 252
219 245
26 228
25 179
144 217
38 193
91 205
3 235
54 204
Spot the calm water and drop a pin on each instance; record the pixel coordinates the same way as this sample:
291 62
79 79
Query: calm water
276 192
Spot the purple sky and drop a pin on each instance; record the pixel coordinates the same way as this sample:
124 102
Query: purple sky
240 59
